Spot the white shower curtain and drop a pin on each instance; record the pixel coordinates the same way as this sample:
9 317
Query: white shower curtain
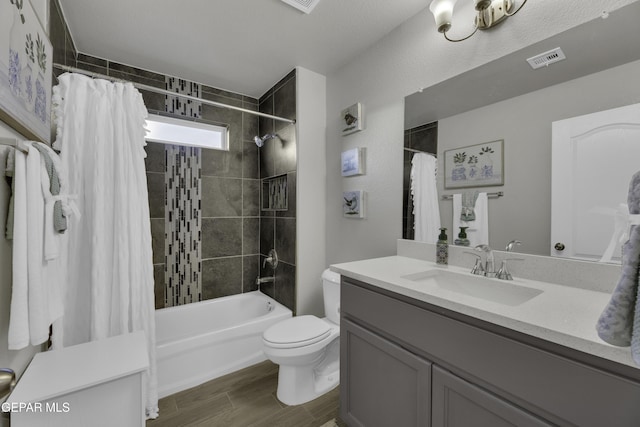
100 134
426 210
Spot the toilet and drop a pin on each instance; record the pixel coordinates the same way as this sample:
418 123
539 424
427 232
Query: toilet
307 349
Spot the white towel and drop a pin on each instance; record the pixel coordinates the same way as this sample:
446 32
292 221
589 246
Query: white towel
426 210
478 231
19 312
37 286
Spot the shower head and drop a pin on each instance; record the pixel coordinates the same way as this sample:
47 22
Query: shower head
260 141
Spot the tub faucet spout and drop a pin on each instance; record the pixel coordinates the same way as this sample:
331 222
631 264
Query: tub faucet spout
261 280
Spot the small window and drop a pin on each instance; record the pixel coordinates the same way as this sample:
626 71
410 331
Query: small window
167 130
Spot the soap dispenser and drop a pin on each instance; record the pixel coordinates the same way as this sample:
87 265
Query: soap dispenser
462 237
442 248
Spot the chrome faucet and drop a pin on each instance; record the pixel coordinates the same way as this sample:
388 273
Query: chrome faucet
489 263
511 244
261 280
272 259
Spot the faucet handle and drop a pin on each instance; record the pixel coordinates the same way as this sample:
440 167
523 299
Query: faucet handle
503 272
477 269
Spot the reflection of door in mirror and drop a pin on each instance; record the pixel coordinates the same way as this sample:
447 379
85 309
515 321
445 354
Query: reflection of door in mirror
593 159
420 139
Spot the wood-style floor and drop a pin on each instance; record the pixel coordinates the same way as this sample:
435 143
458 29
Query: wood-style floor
246 398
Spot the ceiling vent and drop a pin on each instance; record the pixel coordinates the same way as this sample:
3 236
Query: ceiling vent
547 58
304 5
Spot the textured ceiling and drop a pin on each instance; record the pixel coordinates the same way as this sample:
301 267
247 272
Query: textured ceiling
243 46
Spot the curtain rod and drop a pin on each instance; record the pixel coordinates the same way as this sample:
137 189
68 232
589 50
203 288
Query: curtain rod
169 93
493 195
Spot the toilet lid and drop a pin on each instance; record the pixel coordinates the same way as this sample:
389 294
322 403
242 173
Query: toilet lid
297 332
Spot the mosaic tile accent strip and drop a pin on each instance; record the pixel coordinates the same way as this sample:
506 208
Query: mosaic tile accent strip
183 226
181 106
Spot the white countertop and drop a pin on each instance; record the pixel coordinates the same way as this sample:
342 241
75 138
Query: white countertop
560 314
60 372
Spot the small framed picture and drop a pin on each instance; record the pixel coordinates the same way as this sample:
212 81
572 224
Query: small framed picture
353 162
352 120
353 204
480 165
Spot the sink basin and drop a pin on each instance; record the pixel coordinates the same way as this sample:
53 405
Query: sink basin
502 292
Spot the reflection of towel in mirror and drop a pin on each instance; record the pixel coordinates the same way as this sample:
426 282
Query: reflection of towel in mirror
619 323
478 231
467 211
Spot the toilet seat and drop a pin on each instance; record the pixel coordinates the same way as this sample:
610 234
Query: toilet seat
297 331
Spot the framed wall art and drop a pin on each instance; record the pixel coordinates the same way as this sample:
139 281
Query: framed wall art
480 165
353 162
353 204
25 71
352 120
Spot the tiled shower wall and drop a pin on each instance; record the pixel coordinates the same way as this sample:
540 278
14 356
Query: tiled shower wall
235 234
278 158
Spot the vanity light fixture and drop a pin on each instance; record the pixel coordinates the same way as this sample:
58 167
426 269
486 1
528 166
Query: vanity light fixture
489 14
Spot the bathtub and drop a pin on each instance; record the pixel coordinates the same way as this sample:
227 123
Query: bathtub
205 340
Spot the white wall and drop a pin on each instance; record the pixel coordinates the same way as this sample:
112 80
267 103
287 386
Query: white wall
310 190
525 126
412 56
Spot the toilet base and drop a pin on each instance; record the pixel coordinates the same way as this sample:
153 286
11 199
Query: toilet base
301 384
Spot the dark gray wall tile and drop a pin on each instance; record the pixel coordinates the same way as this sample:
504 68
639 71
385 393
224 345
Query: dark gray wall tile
155 160
155 187
157 240
221 197
223 163
266 125
250 236
286 239
267 228
250 271
250 123
251 197
250 160
221 277
158 285
221 237
267 158
267 271
284 103
286 285
284 154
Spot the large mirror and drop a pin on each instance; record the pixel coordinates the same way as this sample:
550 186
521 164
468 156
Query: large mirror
508 100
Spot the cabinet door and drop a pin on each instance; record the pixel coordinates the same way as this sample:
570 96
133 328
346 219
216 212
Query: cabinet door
381 384
457 403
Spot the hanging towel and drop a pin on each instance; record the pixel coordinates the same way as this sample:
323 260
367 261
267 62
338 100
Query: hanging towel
426 210
478 231
619 323
36 300
58 219
19 312
467 212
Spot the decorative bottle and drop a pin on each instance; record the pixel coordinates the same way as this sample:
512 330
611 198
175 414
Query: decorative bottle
462 237
442 248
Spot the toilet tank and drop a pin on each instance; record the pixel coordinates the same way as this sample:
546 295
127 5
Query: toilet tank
331 293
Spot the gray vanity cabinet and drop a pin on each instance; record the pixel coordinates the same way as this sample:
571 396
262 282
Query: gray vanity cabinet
405 362
458 403
383 384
